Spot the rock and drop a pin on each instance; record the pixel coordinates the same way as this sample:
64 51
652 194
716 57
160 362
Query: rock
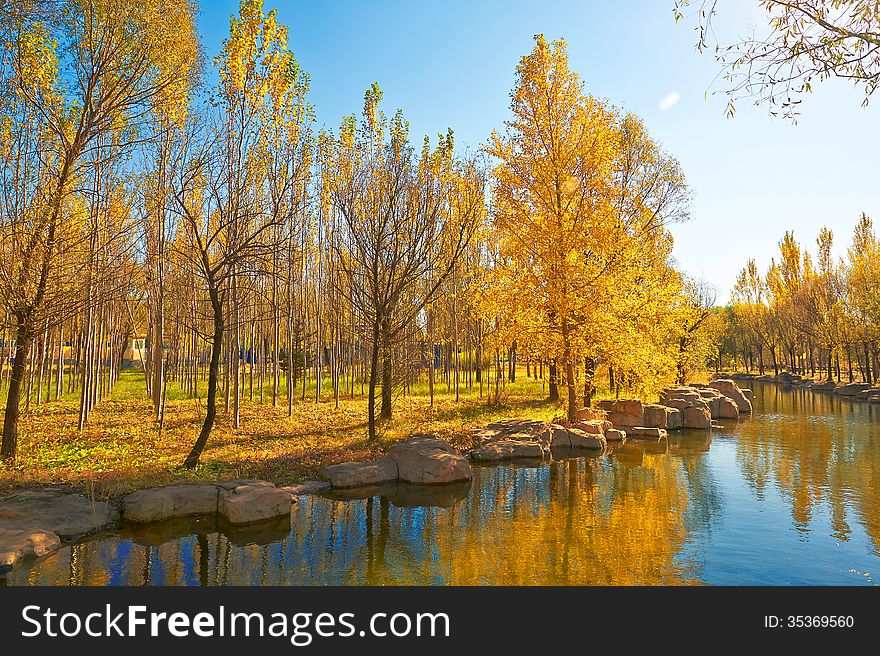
645 432
356 474
558 436
657 416
306 487
624 412
727 408
542 439
578 439
515 429
595 426
682 398
696 418
874 399
159 503
749 394
673 419
483 435
852 389
729 389
615 435
506 449
586 414
427 459
67 515
238 482
827 386
518 426
17 544
683 393
253 502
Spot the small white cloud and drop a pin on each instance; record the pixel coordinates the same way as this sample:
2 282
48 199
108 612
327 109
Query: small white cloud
668 101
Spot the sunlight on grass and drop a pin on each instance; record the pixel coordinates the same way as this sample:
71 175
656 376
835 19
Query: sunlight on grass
122 448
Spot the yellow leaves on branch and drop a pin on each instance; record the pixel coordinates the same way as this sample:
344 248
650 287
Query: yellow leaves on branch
581 200
36 62
256 67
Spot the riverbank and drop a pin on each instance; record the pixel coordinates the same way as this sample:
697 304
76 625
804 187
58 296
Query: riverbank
857 391
802 472
37 522
122 449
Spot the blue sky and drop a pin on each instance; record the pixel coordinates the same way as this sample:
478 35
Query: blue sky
452 64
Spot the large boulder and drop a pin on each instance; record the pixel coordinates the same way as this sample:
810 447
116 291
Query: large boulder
684 395
681 404
306 487
647 433
505 449
579 439
727 409
68 515
426 459
17 544
827 386
558 436
160 503
624 412
696 417
517 426
658 416
729 389
253 502
673 419
615 435
586 414
526 430
358 474
749 394
595 426
685 398
852 389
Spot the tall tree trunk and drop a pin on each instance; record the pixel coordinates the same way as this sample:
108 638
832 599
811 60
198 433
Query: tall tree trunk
23 341
387 365
374 372
589 373
552 386
572 392
213 374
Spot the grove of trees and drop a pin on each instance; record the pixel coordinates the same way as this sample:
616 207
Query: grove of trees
809 313
198 212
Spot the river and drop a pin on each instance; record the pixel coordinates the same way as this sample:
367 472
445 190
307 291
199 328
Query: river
789 496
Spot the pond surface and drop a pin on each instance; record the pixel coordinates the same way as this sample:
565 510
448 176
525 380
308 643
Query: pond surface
788 496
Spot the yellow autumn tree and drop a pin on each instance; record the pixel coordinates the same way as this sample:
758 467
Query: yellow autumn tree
581 198
120 59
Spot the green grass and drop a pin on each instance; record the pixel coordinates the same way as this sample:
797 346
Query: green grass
122 448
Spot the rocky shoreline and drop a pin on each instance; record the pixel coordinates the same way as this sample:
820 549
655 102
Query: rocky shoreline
36 523
854 391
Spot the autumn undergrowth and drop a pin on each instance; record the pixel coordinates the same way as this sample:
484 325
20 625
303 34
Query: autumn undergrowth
123 448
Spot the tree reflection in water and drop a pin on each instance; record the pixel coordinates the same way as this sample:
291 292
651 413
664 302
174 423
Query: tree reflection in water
763 500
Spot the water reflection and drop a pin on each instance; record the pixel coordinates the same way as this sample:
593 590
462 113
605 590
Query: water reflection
788 496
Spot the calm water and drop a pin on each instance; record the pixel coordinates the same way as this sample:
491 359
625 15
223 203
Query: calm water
789 496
